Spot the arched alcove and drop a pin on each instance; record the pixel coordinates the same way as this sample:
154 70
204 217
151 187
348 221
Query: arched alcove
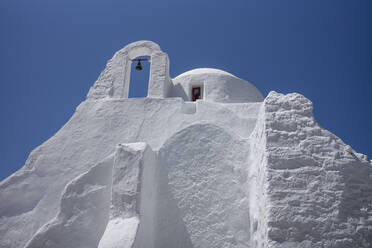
114 81
159 80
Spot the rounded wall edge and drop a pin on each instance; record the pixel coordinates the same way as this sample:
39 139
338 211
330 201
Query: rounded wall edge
218 86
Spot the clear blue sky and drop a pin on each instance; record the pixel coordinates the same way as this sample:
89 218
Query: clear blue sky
51 52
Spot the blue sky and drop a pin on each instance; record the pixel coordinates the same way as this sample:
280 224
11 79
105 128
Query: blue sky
51 52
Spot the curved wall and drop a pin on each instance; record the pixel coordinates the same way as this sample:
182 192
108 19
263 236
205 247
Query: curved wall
217 86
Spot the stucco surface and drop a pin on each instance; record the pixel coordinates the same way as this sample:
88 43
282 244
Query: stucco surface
231 170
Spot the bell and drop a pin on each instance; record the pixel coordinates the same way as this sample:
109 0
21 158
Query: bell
139 66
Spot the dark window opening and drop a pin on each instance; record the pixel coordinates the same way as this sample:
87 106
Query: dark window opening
196 93
139 79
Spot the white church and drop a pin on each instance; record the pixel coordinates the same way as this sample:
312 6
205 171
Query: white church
204 161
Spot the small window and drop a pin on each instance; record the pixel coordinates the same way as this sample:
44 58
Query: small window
196 93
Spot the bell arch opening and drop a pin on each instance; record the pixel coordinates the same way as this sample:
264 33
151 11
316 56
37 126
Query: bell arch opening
139 77
115 80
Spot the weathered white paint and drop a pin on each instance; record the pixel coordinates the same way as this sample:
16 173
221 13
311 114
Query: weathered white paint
227 171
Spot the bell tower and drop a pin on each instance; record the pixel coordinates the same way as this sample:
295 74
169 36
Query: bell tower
115 79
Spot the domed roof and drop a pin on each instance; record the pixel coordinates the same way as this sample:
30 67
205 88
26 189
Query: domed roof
216 86
204 71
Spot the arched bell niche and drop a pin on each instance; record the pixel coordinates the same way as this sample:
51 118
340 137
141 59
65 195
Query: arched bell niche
159 80
114 80
139 77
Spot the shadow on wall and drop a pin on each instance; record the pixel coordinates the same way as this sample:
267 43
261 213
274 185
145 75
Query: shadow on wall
167 228
178 91
356 201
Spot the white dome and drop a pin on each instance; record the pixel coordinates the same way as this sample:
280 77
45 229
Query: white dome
216 86
204 71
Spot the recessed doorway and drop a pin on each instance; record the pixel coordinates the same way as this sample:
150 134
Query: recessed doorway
196 93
